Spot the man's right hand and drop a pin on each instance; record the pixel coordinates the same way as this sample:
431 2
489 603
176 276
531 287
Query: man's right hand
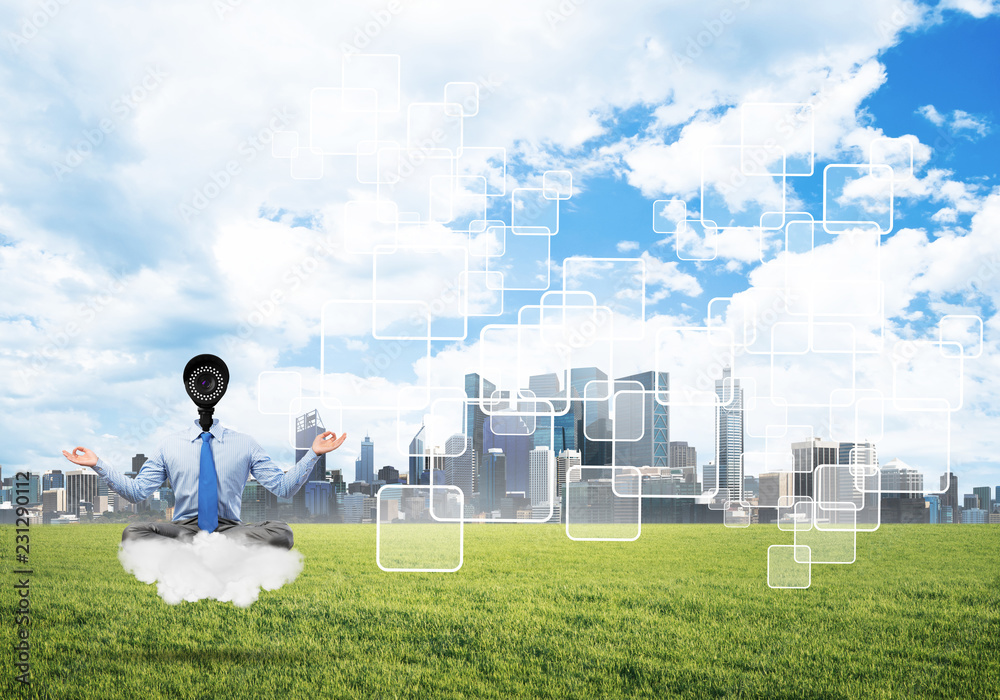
87 459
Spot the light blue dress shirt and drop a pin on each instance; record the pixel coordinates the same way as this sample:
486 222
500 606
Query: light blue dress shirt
236 455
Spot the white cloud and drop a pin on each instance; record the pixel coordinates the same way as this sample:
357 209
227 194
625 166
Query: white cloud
958 122
211 566
930 113
667 276
976 8
626 246
963 121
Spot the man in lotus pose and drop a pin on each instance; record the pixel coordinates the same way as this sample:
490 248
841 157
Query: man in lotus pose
207 470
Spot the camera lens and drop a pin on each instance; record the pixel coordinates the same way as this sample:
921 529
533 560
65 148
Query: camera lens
205 382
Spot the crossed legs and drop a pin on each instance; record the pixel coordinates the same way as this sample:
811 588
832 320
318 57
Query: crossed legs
270 532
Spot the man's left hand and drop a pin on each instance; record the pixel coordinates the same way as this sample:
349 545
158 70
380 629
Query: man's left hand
327 442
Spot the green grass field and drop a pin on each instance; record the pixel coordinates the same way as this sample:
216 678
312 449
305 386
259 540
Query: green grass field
684 611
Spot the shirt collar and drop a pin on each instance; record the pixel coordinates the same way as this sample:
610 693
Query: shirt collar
217 430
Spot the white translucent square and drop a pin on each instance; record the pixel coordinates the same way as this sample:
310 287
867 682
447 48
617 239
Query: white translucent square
668 215
737 514
696 241
427 531
789 566
594 509
557 183
857 196
833 543
525 263
794 513
896 153
961 335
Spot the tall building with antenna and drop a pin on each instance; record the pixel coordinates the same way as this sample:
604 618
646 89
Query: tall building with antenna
729 434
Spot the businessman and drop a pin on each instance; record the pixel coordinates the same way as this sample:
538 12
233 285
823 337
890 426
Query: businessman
207 470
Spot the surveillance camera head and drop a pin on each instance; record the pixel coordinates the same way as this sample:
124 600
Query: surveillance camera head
206 379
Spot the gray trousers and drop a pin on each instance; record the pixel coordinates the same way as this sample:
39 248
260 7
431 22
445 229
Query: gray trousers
269 532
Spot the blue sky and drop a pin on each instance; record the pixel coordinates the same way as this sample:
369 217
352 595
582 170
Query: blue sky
107 290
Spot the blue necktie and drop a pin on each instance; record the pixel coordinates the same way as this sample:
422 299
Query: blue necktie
208 488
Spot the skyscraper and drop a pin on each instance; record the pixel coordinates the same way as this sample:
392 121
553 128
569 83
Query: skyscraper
984 497
729 434
641 424
592 414
857 453
80 486
364 466
388 474
509 433
417 460
307 427
54 500
492 480
54 479
34 491
545 387
683 455
899 480
565 428
949 499
479 391
460 464
564 462
597 407
709 477
974 516
542 462
775 489
319 499
933 509
806 456
354 507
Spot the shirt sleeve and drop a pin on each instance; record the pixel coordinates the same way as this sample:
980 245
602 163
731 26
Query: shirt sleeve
281 483
151 476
